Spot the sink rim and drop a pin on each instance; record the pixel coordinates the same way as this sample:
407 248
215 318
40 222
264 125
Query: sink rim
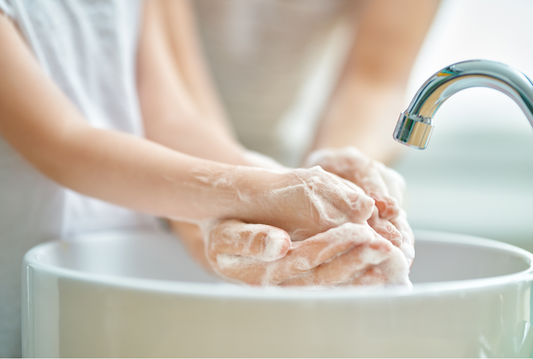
236 291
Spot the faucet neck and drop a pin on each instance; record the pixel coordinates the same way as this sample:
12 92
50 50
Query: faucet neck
416 123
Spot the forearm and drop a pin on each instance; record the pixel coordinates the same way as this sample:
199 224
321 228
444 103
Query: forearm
369 95
128 171
40 123
362 114
137 174
179 107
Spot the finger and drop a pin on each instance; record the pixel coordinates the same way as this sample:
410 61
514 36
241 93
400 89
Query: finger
385 228
347 266
387 206
315 251
374 185
352 165
394 181
366 203
344 162
393 271
352 204
370 181
304 256
408 238
330 203
258 241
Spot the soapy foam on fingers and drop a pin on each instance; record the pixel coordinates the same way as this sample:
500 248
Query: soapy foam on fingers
311 253
307 202
303 257
408 239
349 254
302 202
351 164
394 271
328 202
258 241
385 228
373 262
394 181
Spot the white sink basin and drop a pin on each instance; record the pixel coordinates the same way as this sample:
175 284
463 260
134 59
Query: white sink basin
139 295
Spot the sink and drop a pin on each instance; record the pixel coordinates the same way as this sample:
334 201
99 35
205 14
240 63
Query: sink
121 294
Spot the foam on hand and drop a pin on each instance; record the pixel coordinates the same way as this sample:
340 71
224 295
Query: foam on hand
343 226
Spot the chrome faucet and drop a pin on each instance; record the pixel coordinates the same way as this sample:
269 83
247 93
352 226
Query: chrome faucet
415 124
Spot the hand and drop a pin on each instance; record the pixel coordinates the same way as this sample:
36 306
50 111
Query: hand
262 255
383 184
374 262
303 202
407 245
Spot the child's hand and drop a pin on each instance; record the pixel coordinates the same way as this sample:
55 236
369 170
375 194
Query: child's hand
304 202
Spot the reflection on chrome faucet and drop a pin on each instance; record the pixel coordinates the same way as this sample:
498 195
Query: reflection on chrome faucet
415 124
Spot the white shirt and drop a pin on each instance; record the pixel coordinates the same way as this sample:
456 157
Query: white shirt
87 47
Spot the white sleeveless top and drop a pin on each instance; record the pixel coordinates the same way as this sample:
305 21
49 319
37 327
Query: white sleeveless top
88 48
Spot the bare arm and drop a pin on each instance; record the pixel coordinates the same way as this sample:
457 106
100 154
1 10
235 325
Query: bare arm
40 122
177 100
169 69
369 95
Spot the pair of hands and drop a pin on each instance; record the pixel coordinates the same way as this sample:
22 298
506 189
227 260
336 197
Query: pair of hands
356 233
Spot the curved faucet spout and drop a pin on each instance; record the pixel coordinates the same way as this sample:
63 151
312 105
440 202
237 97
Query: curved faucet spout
415 124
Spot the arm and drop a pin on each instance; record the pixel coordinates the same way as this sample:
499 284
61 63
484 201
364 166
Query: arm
45 127
169 69
368 98
41 124
178 104
364 107
170 65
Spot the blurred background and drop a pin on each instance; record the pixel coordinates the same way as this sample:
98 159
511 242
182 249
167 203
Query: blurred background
476 175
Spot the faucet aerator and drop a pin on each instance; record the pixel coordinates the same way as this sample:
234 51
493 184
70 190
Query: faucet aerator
414 131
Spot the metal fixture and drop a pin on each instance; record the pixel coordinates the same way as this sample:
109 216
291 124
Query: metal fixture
415 124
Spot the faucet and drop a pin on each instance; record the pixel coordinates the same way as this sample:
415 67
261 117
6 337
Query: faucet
415 124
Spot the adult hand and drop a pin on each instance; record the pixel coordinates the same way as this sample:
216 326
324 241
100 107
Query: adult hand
383 184
264 255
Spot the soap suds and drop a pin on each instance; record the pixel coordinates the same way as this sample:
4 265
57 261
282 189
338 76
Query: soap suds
274 243
351 254
379 182
334 231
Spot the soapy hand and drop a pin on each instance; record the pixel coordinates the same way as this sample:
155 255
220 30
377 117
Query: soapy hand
302 202
383 184
318 207
263 255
